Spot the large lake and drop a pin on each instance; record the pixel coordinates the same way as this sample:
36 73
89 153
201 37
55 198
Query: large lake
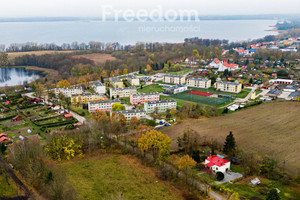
17 76
132 32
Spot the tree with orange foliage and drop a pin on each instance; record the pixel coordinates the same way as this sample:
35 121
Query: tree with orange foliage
134 121
63 83
186 163
137 134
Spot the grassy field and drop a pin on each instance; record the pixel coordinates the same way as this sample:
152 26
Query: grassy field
8 188
97 57
13 55
150 88
106 175
180 102
182 72
269 129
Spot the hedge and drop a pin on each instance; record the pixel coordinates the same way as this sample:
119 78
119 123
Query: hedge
8 117
30 106
62 123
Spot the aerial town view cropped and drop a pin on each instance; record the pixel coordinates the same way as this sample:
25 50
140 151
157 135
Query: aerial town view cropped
149 100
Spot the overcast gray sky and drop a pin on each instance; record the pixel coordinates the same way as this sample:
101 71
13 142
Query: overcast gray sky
93 8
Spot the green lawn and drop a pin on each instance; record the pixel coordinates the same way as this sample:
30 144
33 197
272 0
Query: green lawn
243 93
182 72
101 177
8 188
180 102
150 88
79 110
125 100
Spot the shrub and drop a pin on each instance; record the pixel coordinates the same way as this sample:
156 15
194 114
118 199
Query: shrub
219 176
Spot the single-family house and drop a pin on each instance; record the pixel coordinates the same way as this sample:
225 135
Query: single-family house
217 164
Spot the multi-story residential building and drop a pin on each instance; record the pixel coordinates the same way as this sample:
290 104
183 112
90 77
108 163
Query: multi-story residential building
82 98
228 87
116 82
174 89
140 114
101 105
141 98
133 80
122 92
173 79
198 82
160 106
99 87
68 92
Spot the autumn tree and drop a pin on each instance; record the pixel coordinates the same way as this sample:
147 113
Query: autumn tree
154 141
172 112
137 134
185 164
63 83
125 71
118 107
134 121
188 141
148 68
74 100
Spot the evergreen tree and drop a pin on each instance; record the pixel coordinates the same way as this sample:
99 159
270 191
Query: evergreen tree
212 148
102 79
273 195
251 81
229 145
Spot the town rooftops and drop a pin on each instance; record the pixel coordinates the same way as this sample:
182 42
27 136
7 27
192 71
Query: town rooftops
126 88
174 76
292 87
294 95
234 66
173 87
70 88
132 76
216 160
217 61
198 79
274 92
115 79
162 101
97 83
97 102
129 111
229 83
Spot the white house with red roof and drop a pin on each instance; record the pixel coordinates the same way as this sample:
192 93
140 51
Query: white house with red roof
229 67
217 164
215 64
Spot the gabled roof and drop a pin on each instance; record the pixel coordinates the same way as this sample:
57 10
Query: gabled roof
234 66
216 160
217 60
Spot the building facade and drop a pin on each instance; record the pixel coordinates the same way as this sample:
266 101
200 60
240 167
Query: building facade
141 98
84 98
228 87
174 79
68 92
217 164
160 106
122 92
139 114
116 82
133 80
94 106
174 89
99 87
199 83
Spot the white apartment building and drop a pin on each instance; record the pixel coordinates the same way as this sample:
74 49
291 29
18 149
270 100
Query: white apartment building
160 106
101 105
139 114
122 92
116 82
133 80
198 82
173 79
68 92
99 87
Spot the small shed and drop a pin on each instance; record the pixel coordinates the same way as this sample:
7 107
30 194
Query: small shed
68 116
255 181
3 139
2 135
16 118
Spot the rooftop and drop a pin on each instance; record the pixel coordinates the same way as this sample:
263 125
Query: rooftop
126 88
229 83
198 79
162 101
115 79
173 87
274 92
109 101
216 160
146 94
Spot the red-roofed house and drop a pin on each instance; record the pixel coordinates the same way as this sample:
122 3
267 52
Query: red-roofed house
229 67
215 63
217 164
68 116
2 135
4 139
16 118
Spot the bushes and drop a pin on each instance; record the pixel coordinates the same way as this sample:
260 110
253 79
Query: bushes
29 106
219 176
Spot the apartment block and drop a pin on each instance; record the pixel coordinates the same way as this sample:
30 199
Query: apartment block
99 87
68 92
173 79
122 92
141 98
228 87
160 106
199 83
116 82
140 114
101 105
133 80
82 98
